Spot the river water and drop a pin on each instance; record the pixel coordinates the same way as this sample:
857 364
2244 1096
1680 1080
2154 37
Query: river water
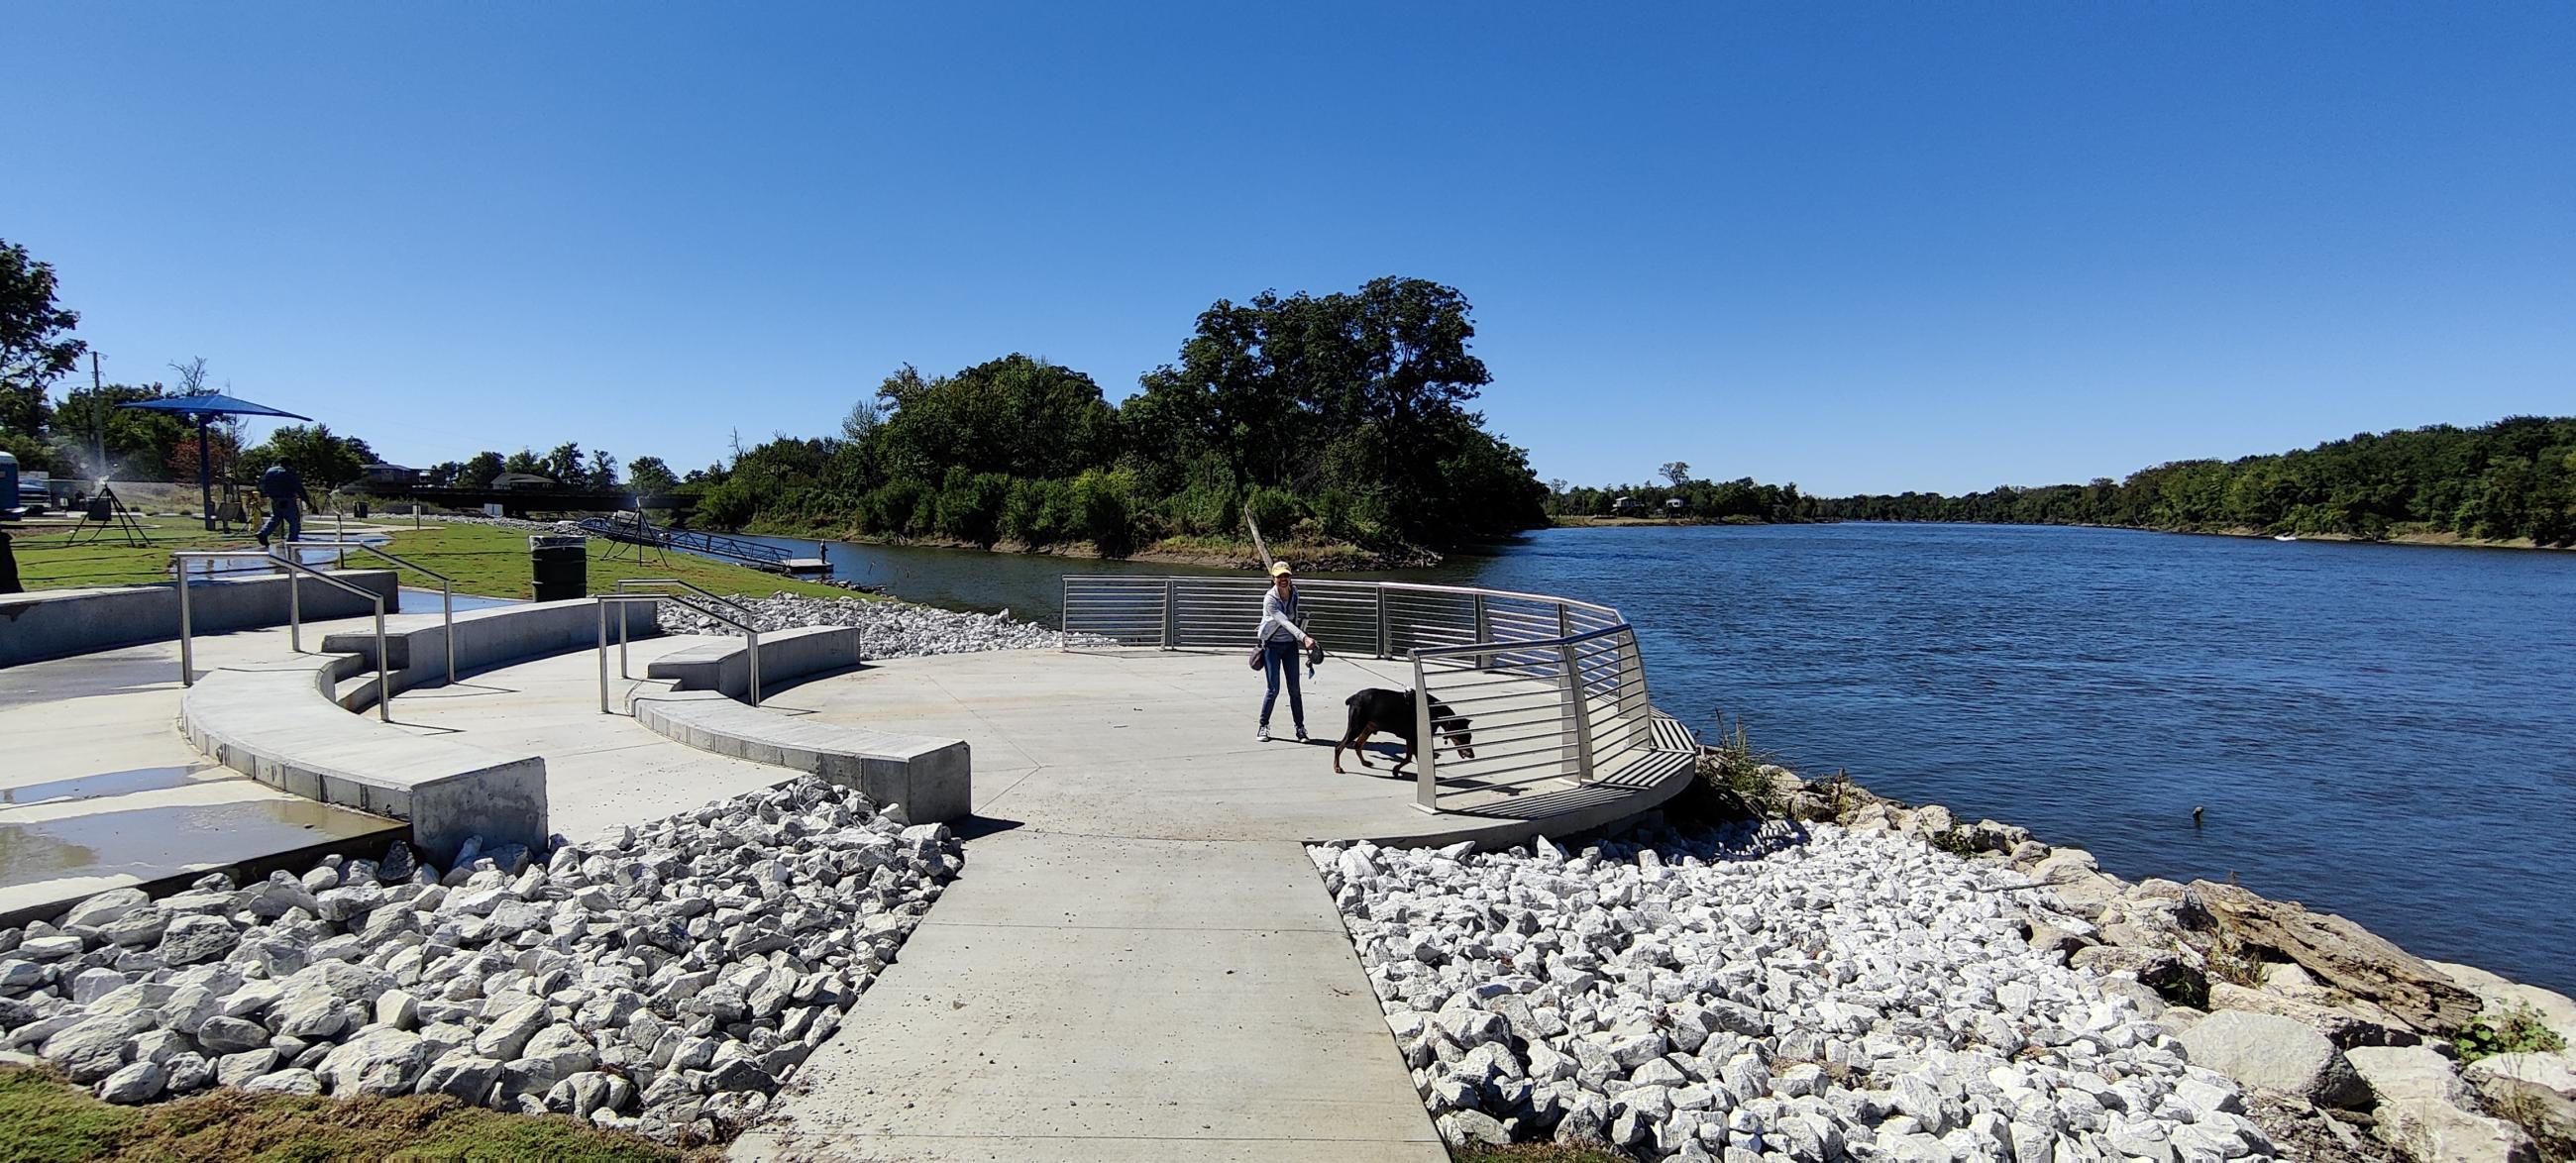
2387 732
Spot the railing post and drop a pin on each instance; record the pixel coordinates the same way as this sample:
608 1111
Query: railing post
1426 751
1582 713
294 612
187 655
1385 636
1171 609
754 637
447 613
384 684
1064 613
602 603
625 668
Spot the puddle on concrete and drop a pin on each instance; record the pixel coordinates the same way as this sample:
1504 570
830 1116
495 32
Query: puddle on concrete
156 841
106 783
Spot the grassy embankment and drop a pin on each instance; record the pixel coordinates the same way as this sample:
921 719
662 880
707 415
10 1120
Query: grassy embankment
44 1119
484 559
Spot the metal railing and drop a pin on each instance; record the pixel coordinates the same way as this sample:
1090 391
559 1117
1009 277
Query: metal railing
446 591
750 632
295 615
717 544
1567 708
1537 687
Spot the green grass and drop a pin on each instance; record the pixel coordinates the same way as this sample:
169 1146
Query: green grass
44 1119
484 559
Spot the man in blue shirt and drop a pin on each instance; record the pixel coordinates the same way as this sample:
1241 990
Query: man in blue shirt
283 488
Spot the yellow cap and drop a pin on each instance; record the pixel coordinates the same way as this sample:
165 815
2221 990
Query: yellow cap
1279 569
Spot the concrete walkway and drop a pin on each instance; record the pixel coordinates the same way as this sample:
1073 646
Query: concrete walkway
98 789
1140 962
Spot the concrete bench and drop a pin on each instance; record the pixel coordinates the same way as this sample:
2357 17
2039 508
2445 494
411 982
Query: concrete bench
61 623
279 725
786 656
929 776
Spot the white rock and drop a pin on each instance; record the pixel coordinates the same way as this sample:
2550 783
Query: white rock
379 1060
285 1082
2275 1053
135 1083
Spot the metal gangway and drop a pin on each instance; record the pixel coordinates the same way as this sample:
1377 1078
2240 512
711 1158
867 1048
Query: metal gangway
644 533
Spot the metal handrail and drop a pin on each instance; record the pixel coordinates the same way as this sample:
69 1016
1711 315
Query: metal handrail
446 589
187 629
708 594
750 632
751 635
1517 645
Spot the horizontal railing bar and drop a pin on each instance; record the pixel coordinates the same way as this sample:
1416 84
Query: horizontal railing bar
1507 785
1482 772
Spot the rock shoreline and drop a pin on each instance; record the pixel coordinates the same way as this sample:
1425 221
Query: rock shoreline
888 629
665 981
1858 978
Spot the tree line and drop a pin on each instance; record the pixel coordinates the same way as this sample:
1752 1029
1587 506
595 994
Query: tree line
1333 418
2514 478
1742 500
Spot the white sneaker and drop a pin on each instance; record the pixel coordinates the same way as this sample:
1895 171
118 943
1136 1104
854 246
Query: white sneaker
1301 734
1263 735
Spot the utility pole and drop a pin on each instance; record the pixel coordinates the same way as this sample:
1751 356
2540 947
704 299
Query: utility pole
98 417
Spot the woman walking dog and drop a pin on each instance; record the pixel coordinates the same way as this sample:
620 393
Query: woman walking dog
1281 640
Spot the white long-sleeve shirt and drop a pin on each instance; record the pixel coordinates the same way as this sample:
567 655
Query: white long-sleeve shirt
1278 619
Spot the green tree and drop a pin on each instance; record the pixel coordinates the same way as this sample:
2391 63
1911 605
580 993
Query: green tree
35 343
322 458
648 476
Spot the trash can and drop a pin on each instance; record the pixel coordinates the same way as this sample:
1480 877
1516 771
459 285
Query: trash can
561 566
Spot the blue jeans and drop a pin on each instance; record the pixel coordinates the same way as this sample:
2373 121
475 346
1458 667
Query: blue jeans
282 513
1279 656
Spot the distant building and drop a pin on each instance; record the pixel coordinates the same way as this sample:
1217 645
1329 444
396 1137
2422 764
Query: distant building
381 477
1626 507
523 480
1676 507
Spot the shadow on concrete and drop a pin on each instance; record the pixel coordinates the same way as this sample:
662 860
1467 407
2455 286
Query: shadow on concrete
978 827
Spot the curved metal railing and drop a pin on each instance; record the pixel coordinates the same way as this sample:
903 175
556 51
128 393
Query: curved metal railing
1536 688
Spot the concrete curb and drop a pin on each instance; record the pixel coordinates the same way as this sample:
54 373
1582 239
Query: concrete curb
930 777
786 657
279 725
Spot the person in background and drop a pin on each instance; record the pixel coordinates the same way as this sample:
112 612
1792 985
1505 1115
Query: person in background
1281 640
283 489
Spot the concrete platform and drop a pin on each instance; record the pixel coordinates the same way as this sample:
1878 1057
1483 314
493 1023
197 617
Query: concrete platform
1140 961
1159 744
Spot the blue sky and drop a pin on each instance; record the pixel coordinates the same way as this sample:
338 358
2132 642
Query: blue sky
1861 247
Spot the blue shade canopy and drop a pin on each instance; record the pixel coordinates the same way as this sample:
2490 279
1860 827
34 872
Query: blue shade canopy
211 404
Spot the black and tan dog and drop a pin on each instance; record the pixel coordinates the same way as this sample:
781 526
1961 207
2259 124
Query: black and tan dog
1378 709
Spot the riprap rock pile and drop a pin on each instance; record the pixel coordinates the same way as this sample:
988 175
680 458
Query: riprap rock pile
890 629
1762 995
664 983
